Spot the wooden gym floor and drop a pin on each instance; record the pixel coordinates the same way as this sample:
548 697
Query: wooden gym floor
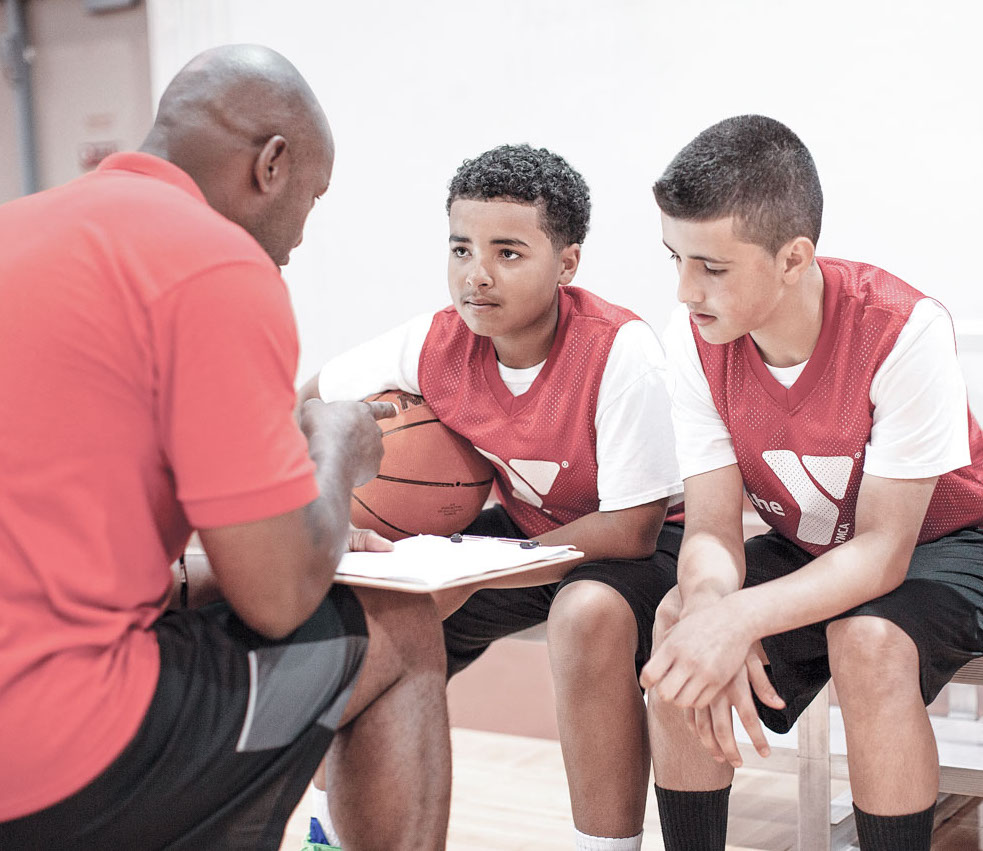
510 794
509 791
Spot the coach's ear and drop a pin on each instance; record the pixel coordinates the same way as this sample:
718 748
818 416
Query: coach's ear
271 165
795 257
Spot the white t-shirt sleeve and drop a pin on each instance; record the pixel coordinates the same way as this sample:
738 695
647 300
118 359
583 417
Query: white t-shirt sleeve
919 396
390 361
703 442
636 463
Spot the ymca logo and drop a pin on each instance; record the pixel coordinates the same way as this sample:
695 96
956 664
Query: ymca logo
811 482
530 480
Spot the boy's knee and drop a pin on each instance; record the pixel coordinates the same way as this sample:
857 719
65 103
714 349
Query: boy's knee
870 655
588 615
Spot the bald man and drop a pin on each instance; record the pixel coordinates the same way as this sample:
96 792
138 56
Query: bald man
147 358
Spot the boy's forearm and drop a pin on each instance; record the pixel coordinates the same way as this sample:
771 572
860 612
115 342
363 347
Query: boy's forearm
711 560
629 533
889 515
862 569
711 566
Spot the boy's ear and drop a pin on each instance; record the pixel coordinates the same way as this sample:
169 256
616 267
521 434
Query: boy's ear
270 166
569 261
797 256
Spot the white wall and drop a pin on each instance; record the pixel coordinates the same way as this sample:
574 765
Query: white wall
91 85
885 93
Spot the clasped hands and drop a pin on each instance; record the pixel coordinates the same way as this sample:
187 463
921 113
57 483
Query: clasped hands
707 663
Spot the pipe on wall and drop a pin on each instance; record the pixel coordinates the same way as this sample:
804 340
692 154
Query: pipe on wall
17 67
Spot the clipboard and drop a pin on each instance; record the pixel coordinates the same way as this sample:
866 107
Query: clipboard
426 563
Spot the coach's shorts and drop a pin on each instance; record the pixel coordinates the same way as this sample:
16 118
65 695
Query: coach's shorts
493 613
235 730
939 605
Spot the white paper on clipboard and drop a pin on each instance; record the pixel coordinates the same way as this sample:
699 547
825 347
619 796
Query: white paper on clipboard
429 562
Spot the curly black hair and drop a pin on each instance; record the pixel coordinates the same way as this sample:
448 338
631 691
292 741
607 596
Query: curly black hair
529 175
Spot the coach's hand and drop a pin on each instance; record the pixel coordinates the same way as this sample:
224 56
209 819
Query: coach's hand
367 541
349 428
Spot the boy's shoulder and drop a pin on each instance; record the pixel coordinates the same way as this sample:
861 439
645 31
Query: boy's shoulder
586 303
870 284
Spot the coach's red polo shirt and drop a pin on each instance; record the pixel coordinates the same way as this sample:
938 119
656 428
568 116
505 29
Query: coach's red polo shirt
147 360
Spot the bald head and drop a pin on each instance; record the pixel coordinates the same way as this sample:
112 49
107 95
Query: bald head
243 122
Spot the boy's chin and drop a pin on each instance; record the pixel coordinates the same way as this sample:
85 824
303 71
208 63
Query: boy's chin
475 326
716 334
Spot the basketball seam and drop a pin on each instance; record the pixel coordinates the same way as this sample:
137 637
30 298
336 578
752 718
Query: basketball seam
409 425
434 484
381 519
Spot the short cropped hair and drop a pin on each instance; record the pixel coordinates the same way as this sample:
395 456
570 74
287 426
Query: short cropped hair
752 168
530 176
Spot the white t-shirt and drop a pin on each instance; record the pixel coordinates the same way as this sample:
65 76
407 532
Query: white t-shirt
636 461
918 394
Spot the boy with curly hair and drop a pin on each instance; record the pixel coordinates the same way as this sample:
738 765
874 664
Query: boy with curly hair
829 391
566 395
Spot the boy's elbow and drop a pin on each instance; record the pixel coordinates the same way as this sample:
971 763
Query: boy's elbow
642 542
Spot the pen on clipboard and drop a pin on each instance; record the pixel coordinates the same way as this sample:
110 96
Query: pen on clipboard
457 538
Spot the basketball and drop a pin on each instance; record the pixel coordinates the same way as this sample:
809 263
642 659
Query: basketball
431 482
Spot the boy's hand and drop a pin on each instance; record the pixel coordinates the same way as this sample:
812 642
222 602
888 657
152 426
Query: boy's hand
699 657
714 724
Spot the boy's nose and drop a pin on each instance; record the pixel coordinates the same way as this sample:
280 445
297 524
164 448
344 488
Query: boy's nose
478 277
688 291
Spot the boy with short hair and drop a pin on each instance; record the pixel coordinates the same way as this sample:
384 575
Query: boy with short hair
563 393
829 390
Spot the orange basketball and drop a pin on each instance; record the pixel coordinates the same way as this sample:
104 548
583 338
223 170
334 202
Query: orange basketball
432 481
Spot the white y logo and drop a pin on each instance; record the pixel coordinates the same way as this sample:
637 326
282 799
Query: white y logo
818 513
529 479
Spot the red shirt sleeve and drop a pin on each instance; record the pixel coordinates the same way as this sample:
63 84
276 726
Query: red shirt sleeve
227 353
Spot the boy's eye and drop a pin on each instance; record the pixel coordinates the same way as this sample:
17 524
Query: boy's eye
711 271
509 254
674 256
459 251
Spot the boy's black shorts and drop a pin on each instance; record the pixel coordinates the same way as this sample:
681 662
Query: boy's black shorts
235 729
493 613
939 605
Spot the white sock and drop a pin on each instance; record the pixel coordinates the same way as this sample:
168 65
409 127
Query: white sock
323 816
603 843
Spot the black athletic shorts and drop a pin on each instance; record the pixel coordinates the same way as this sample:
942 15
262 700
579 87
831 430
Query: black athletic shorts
939 605
493 613
234 732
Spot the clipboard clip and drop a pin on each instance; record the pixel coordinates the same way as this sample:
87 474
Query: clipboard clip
524 544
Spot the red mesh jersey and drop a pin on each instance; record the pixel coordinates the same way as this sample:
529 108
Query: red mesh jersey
801 450
542 443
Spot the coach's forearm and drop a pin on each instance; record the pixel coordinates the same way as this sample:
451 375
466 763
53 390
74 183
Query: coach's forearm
275 572
328 517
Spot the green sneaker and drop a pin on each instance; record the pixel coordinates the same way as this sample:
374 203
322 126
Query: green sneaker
316 840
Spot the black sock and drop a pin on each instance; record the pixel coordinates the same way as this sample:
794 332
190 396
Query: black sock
693 821
895 833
